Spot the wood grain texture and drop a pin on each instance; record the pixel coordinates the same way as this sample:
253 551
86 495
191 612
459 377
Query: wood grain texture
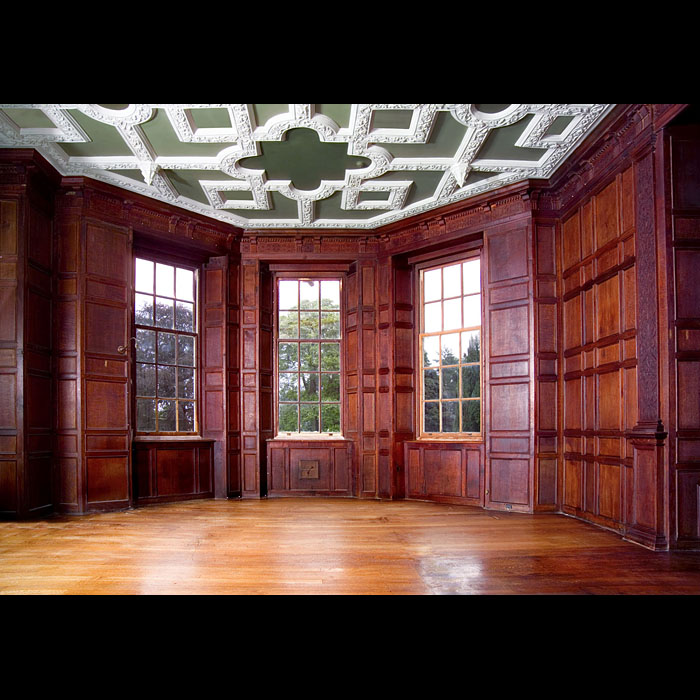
337 547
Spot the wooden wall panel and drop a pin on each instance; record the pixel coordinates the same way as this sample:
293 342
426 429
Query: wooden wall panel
26 269
599 352
682 148
509 358
444 472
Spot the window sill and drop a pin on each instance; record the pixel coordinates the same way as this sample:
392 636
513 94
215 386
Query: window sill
308 438
171 438
470 440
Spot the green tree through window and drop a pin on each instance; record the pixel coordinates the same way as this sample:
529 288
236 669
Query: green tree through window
450 349
308 356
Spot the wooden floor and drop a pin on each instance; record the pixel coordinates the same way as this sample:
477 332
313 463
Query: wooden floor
323 546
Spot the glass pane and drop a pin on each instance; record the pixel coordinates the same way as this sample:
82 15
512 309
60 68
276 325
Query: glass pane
432 285
451 282
470 346
431 417
330 387
289 324
450 417
166 381
450 349
288 387
185 383
431 351
146 415
471 416
309 292
330 418
308 357
184 316
330 324
289 295
185 414
431 384
164 313
289 418
330 356
432 317
143 278
145 346
330 295
185 350
309 419
143 310
288 356
308 323
309 387
166 416
165 280
166 348
472 311
184 280
145 380
452 314
472 276
471 386
450 383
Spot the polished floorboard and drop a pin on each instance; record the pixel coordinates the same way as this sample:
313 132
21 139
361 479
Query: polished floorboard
330 546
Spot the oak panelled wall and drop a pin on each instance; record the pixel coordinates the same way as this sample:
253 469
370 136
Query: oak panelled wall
590 350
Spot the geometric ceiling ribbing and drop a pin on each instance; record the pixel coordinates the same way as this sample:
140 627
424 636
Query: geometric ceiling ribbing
268 166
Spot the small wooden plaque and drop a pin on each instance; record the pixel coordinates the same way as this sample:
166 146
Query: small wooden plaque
308 469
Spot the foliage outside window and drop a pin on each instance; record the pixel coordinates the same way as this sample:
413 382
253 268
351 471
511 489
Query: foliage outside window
450 350
308 356
166 345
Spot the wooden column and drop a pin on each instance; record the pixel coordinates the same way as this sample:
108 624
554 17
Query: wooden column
508 363
213 365
93 351
26 264
233 379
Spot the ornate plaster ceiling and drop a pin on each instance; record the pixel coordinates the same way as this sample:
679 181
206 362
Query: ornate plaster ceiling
267 166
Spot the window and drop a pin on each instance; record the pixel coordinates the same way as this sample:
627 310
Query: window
450 349
308 356
166 348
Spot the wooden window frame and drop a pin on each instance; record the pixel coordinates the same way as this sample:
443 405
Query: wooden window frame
426 264
175 262
316 277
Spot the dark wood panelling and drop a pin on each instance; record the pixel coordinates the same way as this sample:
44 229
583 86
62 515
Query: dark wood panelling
330 460
509 355
444 472
213 339
26 269
683 249
173 470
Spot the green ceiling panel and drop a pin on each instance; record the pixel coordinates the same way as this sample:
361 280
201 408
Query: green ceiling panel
282 208
491 109
391 118
264 112
105 139
133 174
186 182
164 140
500 144
330 209
304 159
559 126
29 118
424 185
444 140
211 118
340 114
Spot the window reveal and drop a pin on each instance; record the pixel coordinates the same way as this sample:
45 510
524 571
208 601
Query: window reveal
308 356
166 348
450 349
